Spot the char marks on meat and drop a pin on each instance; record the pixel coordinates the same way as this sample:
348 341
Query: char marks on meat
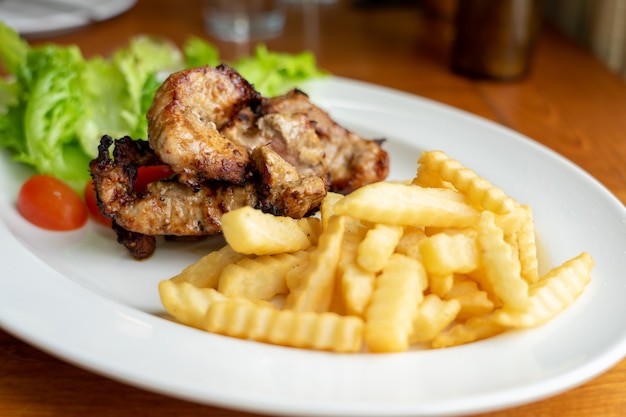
228 148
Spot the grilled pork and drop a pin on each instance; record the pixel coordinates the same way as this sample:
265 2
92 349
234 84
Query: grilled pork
228 148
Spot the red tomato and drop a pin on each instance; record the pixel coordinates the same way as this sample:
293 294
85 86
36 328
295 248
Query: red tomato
148 174
92 205
50 203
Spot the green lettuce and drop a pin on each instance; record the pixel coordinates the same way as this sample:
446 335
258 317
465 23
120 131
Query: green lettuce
118 92
274 73
56 105
47 107
199 52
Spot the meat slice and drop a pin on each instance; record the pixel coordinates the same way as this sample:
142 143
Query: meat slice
292 136
352 160
281 189
172 208
185 119
205 121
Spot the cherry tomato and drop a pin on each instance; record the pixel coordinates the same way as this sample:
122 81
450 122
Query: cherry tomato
92 205
51 204
148 174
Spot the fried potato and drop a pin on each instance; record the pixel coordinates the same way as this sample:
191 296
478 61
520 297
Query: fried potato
440 284
298 272
377 247
511 222
475 328
352 238
409 242
250 231
551 294
502 268
477 189
187 303
406 205
427 177
205 273
472 300
324 331
314 292
260 278
443 260
354 285
312 228
357 286
327 207
527 248
433 316
446 253
390 314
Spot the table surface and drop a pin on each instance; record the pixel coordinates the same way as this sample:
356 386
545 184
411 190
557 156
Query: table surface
570 103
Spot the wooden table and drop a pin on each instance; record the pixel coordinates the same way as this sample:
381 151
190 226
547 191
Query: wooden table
570 103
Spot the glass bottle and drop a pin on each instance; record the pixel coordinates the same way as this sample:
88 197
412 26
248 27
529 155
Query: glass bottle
495 39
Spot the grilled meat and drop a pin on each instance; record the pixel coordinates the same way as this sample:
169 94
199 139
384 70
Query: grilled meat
281 189
228 148
184 120
292 136
170 207
307 137
352 160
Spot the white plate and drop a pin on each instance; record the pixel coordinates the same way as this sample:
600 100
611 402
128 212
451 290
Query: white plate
40 17
80 297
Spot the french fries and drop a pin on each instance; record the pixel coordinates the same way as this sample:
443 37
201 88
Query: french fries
443 260
253 232
393 307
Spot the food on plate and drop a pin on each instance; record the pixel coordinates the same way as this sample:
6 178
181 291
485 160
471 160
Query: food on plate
253 232
444 283
312 288
351 161
398 291
171 208
204 121
228 148
145 176
260 278
56 104
184 122
51 204
89 195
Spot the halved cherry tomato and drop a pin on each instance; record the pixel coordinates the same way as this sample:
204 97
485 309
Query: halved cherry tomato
92 205
148 174
51 204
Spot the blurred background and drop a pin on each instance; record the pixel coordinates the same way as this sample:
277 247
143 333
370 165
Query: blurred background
599 25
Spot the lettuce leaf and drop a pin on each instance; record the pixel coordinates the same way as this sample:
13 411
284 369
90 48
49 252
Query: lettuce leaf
199 52
48 109
14 49
274 73
118 92
57 105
